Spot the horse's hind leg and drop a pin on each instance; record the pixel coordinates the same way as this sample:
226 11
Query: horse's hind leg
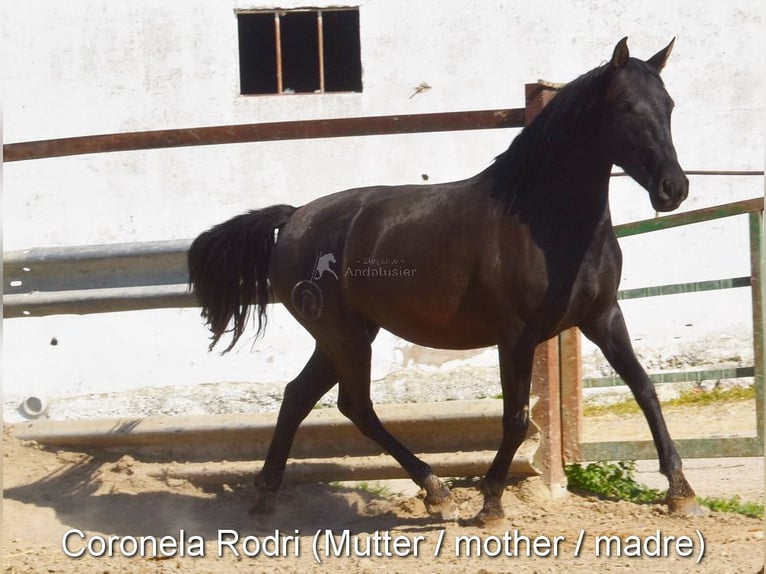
353 366
301 394
609 332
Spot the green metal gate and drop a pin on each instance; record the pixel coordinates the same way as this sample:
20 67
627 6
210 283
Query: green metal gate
571 390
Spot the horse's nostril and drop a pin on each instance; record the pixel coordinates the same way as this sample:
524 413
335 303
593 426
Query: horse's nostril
666 190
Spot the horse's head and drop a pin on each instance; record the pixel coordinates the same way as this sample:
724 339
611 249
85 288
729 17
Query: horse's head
636 126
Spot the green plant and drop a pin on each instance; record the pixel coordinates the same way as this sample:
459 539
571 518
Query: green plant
733 504
617 481
612 480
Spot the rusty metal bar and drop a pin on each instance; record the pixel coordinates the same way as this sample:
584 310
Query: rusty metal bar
570 374
546 415
271 131
320 50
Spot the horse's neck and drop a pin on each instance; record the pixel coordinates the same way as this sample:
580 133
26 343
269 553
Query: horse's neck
573 190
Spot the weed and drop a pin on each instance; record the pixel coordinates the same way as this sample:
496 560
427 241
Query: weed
733 504
612 480
617 481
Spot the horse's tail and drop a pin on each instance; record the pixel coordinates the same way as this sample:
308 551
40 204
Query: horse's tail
229 266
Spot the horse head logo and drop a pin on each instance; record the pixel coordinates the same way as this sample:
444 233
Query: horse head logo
323 266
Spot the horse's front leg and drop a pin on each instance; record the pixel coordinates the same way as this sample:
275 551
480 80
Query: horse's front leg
515 380
609 332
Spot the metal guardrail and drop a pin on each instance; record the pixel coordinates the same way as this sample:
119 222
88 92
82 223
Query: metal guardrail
153 275
96 279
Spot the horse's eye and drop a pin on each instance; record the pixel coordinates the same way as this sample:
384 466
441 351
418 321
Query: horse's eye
624 106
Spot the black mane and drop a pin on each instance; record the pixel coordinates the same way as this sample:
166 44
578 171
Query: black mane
572 110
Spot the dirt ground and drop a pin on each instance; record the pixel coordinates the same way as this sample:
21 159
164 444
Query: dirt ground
57 502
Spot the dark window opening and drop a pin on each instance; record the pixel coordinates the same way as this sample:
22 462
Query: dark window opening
301 51
342 64
257 61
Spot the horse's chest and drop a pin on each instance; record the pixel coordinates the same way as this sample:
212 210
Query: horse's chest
594 286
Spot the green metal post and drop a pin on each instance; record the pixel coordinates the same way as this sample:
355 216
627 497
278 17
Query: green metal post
757 288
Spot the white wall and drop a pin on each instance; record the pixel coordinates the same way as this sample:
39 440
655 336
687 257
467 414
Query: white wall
88 66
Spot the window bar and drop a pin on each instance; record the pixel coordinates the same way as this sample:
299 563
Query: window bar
320 40
278 36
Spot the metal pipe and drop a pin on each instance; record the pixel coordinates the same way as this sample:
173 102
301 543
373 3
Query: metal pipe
270 131
320 50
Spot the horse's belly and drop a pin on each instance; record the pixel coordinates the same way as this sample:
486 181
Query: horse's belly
433 321
438 336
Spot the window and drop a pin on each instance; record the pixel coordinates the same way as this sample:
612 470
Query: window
299 51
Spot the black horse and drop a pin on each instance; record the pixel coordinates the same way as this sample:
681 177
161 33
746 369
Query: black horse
509 257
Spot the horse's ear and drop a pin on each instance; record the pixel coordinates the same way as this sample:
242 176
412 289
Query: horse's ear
620 55
660 58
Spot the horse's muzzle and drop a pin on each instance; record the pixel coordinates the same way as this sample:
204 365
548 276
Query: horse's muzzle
671 191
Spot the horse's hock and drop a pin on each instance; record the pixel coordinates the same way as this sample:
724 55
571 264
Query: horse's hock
223 449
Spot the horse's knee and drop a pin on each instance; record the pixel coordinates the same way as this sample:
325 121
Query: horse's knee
517 423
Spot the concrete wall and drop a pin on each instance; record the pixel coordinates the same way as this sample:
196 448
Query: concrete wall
89 66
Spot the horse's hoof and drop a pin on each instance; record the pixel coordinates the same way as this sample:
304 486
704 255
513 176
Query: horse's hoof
445 509
486 519
490 515
438 500
685 506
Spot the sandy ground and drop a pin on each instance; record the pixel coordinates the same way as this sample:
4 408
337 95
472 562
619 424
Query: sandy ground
323 528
